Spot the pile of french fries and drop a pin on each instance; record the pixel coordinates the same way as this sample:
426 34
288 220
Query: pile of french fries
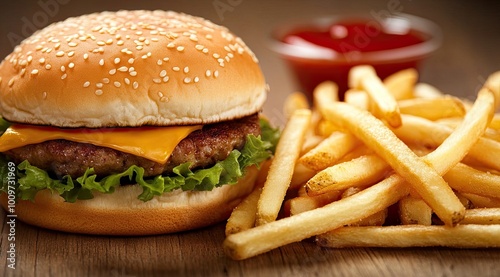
397 164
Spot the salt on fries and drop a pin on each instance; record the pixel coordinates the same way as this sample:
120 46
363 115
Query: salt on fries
421 166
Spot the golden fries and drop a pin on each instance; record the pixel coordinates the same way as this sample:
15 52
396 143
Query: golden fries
293 102
278 180
433 109
401 83
362 171
462 236
243 216
421 175
364 180
318 221
329 151
364 77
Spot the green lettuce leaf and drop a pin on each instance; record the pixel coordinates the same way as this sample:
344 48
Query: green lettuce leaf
31 179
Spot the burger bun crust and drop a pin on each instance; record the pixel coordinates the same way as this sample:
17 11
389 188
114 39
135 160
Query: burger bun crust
122 214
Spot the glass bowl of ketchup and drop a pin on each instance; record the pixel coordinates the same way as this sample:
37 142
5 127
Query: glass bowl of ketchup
327 48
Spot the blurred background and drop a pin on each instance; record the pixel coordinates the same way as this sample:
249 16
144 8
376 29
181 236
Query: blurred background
469 53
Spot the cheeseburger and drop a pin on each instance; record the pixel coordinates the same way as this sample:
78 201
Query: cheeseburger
130 123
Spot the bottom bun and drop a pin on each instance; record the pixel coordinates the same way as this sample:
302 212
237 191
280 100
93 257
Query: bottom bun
121 213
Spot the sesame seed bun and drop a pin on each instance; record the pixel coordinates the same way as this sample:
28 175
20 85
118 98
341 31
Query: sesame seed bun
130 68
121 213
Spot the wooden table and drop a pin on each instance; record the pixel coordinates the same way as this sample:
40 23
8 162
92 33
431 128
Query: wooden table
469 53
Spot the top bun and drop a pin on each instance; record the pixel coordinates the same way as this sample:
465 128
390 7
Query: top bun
130 68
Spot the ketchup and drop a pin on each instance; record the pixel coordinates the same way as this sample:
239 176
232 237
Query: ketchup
339 46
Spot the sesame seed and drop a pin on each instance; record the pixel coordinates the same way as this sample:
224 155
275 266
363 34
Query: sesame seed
155 39
208 73
216 73
196 79
99 85
186 69
215 55
64 76
139 47
160 94
133 73
166 59
86 84
221 60
159 62
117 84
63 68
109 41
165 79
117 60
144 57
48 66
199 47
29 59
176 68
98 92
205 50
101 62
120 42
136 85
180 48
123 69
60 54
23 71
193 37
163 99
171 45
101 43
163 73
105 80
208 36
72 44
44 95
131 60
187 80
41 61
34 71
57 45
11 82
85 56
157 80
71 65
71 54
112 71
127 81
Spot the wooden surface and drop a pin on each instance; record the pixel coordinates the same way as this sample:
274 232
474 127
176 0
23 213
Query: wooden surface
468 54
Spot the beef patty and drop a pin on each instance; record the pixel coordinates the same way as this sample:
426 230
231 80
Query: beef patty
201 148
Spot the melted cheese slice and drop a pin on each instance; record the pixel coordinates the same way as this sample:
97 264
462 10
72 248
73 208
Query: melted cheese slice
153 143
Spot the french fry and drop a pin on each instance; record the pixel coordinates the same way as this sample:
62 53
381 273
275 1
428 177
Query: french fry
424 90
417 130
433 109
307 224
362 171
357 98
306 203
414 211
376 219
243 216
482 216
463 138
421 175
401 83
364 77
294 101
301 175
329 151
281 169
464 178
482 201
461 236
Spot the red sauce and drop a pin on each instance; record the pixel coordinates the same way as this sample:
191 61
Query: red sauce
350 41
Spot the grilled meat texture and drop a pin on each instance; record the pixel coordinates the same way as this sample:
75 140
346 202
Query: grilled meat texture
201 148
